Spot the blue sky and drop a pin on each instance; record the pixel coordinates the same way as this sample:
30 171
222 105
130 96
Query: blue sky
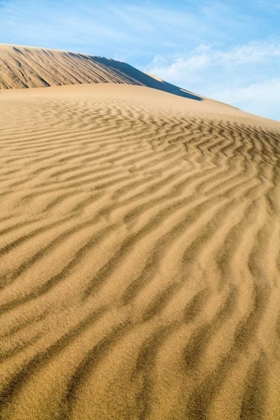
226 50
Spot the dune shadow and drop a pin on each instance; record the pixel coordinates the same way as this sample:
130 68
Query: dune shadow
145 79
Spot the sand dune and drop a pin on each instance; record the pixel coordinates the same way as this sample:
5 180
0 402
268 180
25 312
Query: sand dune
30 67
139 244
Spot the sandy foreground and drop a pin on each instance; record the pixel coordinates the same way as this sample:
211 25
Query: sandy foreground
139 244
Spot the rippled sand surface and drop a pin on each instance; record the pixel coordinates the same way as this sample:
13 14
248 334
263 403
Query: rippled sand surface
139 257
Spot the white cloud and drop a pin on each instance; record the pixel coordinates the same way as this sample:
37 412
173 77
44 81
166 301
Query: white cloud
205 46
258 98
239 76
251 53
206 56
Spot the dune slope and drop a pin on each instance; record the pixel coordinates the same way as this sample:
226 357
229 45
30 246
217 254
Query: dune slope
139 244
29 67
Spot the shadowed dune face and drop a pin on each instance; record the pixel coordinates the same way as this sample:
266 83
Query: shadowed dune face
139 269
29 67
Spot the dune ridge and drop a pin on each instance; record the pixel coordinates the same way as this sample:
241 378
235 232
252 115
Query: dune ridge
30 67
139 244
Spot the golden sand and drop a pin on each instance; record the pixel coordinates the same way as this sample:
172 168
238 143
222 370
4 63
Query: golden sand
139 245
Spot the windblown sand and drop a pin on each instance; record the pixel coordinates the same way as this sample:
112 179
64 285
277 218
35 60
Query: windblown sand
139 244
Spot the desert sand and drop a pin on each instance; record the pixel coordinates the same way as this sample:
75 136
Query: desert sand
139 244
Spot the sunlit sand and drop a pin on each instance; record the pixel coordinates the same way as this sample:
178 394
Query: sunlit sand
139 244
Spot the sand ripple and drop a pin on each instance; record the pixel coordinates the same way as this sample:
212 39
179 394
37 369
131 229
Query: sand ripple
139 244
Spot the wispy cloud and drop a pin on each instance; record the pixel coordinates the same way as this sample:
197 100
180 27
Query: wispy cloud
138 29
202 45
246 76
260 98
62 25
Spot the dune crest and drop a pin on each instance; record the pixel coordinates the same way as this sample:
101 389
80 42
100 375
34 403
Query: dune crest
139 245
30 67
